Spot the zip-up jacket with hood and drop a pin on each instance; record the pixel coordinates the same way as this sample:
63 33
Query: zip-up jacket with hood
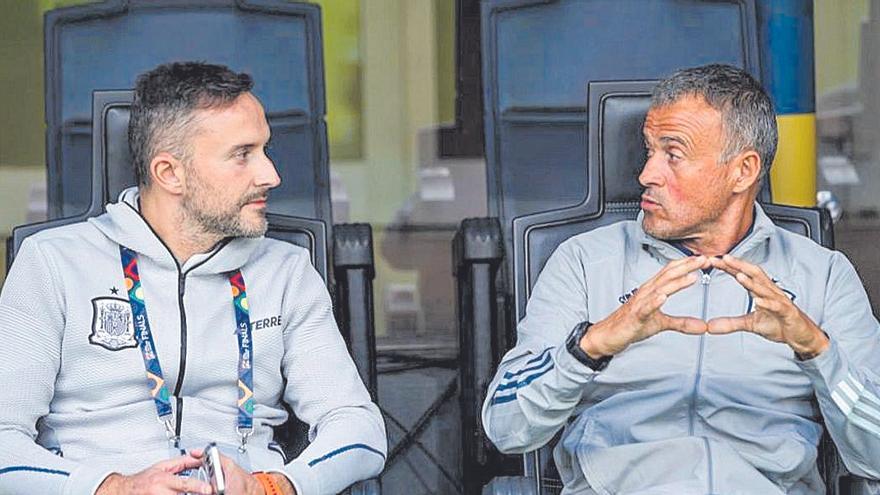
695 414
77 408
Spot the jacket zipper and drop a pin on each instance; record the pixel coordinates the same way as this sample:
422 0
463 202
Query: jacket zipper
705 278
181 290
181 373
181 369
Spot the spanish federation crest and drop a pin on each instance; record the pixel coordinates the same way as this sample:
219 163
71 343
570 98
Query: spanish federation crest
112 326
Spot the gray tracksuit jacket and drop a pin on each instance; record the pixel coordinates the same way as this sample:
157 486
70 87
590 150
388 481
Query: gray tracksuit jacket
77 406
691 414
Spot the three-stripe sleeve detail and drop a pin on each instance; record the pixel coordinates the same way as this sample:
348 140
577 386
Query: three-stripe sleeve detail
859 405
514 380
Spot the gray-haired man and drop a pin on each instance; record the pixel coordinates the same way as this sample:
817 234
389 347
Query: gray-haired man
682 352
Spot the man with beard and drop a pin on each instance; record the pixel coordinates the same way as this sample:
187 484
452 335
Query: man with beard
163 286
699 348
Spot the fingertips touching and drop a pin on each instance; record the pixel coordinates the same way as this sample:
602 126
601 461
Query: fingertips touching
686 325
698 260
719 262
693 325
724 325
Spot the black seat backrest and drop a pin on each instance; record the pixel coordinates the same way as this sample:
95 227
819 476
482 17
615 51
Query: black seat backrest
616 156
111 172
538 58
105 45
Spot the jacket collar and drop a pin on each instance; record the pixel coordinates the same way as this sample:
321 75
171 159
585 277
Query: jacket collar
751 248
124 225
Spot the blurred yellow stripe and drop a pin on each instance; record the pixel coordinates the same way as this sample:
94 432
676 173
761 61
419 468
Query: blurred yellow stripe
793 175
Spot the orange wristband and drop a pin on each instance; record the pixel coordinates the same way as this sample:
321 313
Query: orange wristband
270 486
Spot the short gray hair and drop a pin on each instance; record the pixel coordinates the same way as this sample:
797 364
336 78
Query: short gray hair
165 101
747 115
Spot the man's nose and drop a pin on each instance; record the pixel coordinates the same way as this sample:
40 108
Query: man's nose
651 174
267 176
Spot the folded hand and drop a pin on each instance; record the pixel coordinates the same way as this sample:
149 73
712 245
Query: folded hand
775 317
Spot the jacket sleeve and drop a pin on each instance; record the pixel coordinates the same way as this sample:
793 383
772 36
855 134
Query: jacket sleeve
846 376
347 433
539 383
31 330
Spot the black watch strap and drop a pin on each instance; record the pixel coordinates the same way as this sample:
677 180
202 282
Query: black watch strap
573 346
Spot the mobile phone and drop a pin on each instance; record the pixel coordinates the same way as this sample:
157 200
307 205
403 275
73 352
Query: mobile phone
213 468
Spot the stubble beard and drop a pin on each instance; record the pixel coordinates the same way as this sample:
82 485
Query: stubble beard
228 224
220 220
664 230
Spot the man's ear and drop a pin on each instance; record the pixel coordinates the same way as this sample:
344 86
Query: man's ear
746 170
167 172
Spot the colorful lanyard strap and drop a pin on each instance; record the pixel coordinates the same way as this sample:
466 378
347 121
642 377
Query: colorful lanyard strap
155 378
245 356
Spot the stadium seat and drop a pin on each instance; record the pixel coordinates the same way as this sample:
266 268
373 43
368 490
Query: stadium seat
98 46
492 300
292 92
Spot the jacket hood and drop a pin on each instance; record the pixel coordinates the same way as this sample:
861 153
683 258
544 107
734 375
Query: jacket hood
123 224
751 248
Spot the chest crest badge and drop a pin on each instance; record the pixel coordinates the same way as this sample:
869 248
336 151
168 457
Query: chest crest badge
112 326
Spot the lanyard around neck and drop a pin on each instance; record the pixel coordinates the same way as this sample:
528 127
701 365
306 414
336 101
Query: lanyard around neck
155 378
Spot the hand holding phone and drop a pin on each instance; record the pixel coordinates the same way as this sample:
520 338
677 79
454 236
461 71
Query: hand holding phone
213 468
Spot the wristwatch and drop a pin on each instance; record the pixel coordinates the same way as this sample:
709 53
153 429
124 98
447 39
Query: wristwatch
573 345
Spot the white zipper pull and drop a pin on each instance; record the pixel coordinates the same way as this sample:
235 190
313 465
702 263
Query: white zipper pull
704 278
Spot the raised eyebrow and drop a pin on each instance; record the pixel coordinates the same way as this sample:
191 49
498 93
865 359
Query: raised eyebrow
674 139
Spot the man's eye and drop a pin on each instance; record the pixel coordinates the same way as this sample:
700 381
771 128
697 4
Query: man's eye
242 154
